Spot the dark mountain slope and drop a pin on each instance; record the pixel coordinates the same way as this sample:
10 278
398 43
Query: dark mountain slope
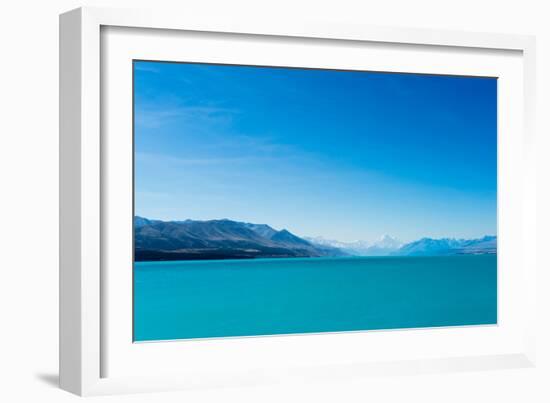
218 239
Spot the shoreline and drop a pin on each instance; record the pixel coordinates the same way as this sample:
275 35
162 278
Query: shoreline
302 259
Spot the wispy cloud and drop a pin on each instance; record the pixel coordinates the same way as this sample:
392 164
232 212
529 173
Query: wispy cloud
146 68
155 117
264 145
158 158
153 194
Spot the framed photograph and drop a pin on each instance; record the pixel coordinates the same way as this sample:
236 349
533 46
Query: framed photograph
250 202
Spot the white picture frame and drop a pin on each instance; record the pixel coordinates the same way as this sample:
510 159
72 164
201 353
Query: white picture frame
93 344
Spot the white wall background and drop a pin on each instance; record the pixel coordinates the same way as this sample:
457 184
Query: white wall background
29 187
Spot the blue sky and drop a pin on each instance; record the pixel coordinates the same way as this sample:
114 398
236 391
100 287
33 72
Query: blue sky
344 155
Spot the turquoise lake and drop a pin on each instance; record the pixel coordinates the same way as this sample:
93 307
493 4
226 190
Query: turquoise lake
221 298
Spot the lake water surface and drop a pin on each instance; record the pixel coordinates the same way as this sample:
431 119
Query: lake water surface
220 298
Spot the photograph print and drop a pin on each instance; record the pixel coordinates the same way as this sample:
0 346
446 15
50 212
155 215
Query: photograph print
276 200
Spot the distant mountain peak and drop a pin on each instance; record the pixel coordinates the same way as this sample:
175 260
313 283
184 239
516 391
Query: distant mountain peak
384 246
449 246
388 242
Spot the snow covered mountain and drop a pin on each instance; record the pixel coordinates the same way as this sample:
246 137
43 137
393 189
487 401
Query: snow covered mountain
384 246
389 246
449 246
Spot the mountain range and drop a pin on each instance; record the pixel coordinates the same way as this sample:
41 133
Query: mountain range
389 246
449 246
384 246
219 239
227 239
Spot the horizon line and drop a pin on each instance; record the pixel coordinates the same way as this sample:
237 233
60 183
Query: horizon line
321 236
